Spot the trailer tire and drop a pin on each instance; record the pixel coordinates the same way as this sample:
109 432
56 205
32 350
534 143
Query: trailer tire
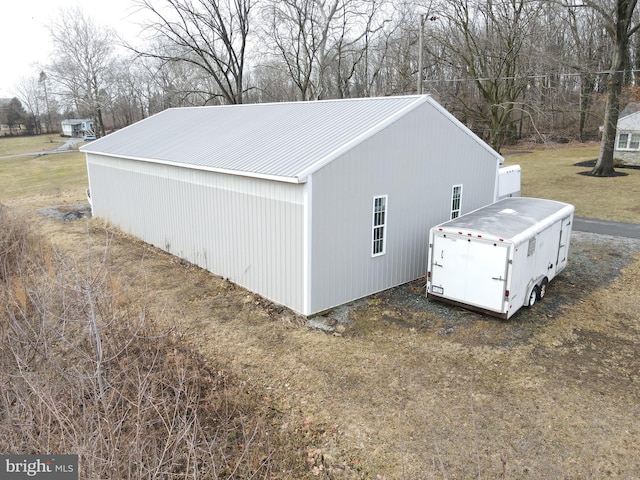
543 289
533 296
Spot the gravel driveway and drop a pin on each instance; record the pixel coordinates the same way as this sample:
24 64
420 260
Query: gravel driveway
594 261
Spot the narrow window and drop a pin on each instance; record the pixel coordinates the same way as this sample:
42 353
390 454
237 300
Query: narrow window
623 139
456 201
379 225
634 143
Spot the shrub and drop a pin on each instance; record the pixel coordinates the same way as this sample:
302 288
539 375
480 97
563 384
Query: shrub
85 372
14 240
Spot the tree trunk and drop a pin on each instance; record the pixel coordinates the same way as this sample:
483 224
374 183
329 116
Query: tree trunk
604 164
586 90
621 34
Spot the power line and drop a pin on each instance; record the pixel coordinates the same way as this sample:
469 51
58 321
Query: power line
537 76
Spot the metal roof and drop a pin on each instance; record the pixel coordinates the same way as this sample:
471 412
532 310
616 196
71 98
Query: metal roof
630 122
75 121
510 217
284 141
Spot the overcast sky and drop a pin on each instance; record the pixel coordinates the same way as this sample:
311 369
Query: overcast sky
24 37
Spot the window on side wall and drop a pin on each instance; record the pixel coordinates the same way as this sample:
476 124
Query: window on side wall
628 141
379 229
456 201
623 139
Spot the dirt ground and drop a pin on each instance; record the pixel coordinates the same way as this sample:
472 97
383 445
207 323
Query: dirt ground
396 386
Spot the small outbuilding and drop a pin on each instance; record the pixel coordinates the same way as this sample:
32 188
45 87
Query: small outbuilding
308 204
76 127
627 148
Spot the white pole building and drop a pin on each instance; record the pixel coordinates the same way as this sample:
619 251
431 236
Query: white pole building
309 204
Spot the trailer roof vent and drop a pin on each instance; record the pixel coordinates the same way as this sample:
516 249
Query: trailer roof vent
507 211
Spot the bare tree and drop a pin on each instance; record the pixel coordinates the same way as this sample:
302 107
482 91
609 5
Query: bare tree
398 73
322 43
353 46
209 34
486 42
271 83
300 39
42 81
587 49
382 35
619 24
30 94
83 58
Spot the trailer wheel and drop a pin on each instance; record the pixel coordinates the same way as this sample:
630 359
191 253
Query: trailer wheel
533 296
543 289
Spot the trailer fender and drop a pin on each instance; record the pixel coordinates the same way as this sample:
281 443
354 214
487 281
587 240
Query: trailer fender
532 296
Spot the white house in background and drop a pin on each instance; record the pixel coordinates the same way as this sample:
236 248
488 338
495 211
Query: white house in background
627 149
77 127
308 204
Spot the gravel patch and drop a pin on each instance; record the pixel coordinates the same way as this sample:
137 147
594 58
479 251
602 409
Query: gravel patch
67 212
594 262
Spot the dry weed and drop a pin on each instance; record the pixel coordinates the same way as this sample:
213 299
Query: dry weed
87 370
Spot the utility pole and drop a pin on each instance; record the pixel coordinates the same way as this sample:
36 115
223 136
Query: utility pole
420 45
423 19
43 80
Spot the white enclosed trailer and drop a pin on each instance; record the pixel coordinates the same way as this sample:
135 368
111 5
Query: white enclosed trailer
500 257
509 181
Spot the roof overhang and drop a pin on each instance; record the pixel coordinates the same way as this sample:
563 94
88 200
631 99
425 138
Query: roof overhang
190 166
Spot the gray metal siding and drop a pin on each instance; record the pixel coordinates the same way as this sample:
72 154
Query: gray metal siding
415 161
248 230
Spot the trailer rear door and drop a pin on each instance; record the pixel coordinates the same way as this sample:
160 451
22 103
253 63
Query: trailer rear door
470 270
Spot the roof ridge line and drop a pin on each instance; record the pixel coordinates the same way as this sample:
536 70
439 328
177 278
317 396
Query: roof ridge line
295 102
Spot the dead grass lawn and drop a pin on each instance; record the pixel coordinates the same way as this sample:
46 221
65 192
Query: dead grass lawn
23 177
29 144
412 389
550 172
405 392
